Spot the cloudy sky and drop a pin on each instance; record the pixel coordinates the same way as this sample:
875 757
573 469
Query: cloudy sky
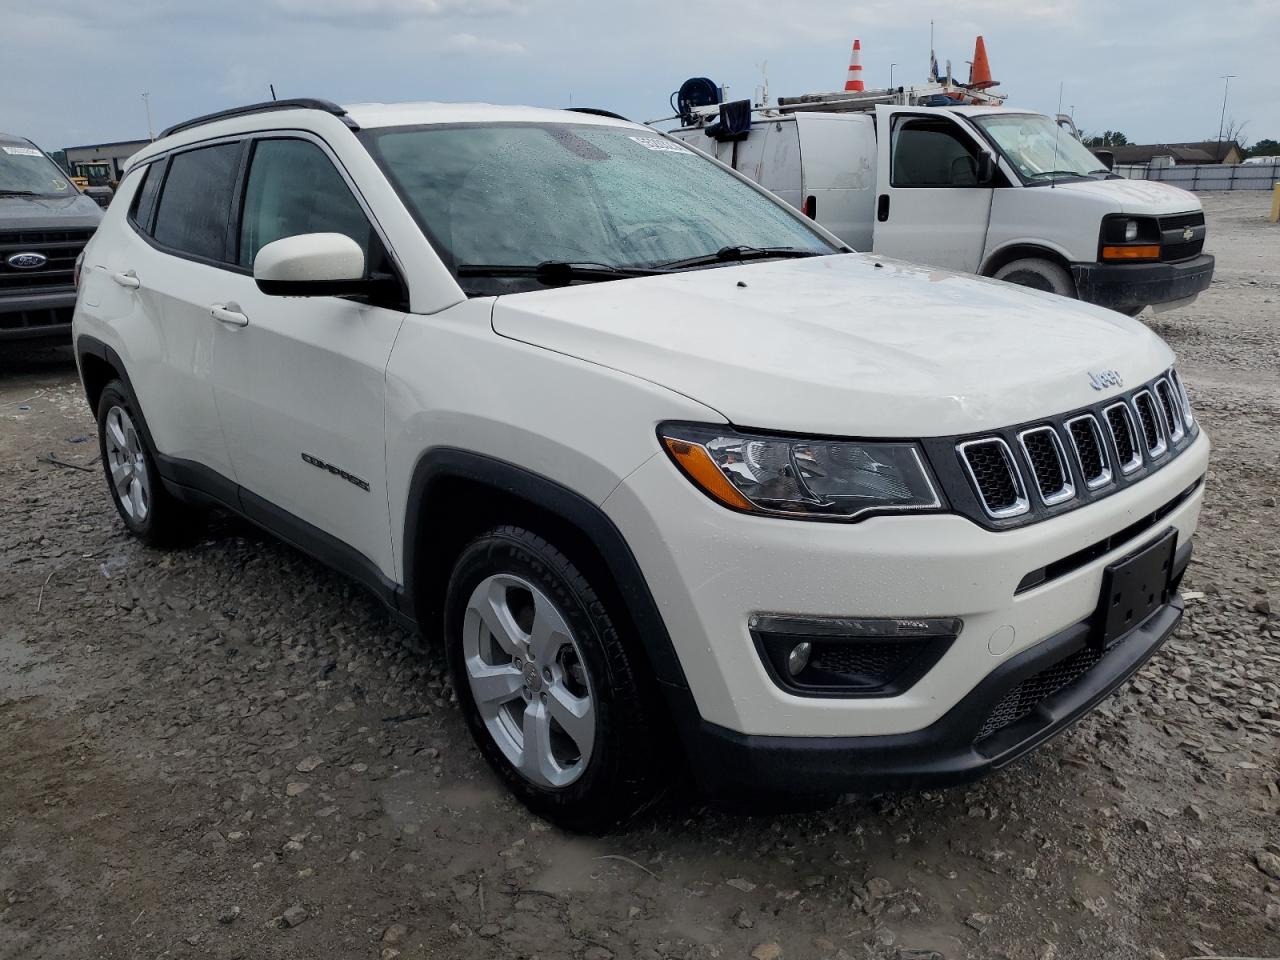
73 71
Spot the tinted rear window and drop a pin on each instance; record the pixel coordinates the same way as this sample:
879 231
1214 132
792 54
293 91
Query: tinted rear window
196 201
144 201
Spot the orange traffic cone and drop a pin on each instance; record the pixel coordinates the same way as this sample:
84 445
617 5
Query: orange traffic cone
980 72
854 81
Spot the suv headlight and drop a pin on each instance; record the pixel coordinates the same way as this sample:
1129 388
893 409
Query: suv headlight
804 478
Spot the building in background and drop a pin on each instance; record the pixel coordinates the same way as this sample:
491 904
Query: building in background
95 160
1203 151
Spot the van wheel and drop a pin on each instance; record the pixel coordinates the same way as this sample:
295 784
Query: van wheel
148 510
552 695
1039 275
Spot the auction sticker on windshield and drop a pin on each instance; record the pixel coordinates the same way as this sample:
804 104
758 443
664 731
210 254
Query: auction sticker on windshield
21 151
658 143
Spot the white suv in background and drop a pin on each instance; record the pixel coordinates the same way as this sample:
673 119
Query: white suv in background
676 478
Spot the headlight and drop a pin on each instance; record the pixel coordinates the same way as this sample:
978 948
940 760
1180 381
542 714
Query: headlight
1130 231
811 479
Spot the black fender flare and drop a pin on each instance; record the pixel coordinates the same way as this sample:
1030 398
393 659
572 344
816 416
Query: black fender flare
450 463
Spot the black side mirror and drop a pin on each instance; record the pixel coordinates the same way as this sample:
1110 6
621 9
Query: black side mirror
986 169
1107 157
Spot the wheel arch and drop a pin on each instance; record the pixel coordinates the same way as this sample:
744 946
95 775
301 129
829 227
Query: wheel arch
456 494
99 365
1023 251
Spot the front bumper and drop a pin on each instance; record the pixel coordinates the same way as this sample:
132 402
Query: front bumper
1128 286
35 316
710 570
954 749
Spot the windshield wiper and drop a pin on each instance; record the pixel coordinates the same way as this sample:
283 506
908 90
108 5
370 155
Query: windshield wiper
556 271
736 253
1058 173
20 193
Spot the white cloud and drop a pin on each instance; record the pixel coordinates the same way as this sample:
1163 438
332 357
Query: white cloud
398 9
470 43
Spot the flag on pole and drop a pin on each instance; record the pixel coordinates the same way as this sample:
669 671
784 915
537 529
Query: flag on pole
933 67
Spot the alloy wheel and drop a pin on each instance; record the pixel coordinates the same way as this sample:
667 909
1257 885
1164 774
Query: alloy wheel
529 680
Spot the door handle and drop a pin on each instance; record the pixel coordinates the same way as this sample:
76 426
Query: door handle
229 313
882 208
128 279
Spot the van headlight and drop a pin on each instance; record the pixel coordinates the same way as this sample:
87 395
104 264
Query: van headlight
804 478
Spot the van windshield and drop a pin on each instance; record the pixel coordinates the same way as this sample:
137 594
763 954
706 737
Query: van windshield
26 172
593 201
1040 149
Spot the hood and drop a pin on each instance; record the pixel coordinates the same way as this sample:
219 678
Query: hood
1138 197
845 345
49 213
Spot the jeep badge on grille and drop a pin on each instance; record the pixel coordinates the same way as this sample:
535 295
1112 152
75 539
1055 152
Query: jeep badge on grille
1103 379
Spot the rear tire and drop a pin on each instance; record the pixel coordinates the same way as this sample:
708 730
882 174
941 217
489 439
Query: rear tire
552 695
1038 274
148 510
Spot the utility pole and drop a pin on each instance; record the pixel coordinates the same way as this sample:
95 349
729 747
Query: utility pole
891 66
1226 78
146 100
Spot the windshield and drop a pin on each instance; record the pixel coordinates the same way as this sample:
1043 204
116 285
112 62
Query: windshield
519 194
1039 149
26 171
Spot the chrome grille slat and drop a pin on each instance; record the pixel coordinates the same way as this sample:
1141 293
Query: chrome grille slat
995 476
1048 463
1153 432
1169 408
1124 436
1184 400
1090 450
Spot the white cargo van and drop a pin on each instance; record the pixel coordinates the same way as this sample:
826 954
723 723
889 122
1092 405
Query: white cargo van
989 190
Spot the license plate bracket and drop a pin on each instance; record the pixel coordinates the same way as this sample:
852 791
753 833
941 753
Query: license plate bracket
1134 587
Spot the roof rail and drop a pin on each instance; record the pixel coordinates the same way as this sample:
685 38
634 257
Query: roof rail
597 112
300 103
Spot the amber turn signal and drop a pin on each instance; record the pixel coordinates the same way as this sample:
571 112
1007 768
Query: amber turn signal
698 465
1136 252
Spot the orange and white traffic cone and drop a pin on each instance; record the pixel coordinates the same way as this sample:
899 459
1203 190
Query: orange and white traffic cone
980 72
854 82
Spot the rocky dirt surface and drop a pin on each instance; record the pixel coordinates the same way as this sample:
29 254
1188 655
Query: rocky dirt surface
227 751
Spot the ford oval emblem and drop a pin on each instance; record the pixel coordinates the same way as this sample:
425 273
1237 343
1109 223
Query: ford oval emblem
27 260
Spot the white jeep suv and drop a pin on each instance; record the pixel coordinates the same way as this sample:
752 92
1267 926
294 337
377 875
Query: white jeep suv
673 475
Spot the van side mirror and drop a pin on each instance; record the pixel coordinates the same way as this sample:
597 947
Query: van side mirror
986 169
311 265
1107 158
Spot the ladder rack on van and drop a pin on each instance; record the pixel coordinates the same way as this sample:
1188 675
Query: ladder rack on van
939 94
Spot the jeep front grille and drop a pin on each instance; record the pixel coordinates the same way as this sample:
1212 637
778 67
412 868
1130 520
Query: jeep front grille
1048 463
1170 405
1068 460
996 477
1125 436
1152 425
1090 450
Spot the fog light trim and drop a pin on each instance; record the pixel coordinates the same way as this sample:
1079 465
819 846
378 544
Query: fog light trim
850 657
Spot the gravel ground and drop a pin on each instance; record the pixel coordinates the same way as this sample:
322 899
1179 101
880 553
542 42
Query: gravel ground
227 751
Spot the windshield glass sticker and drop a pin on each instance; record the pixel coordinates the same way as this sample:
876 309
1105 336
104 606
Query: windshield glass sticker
21 151
659 144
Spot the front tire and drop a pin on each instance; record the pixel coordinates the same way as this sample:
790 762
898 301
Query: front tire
1038 274
552 695
148 510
